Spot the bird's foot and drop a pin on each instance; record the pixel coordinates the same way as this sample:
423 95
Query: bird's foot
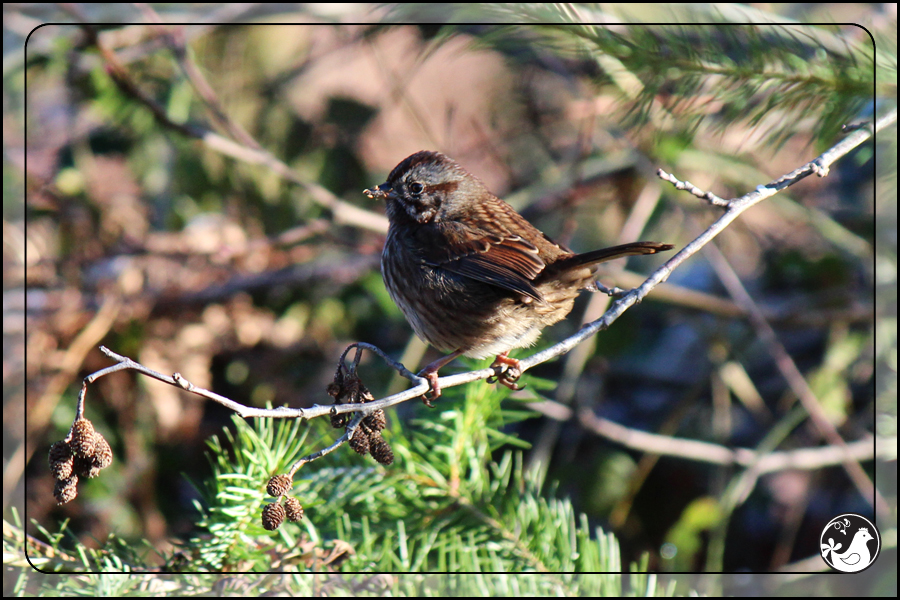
430 373
435 388
506 371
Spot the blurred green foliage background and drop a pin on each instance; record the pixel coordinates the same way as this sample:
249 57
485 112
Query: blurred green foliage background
157 222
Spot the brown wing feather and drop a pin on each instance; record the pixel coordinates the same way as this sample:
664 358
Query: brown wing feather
498 252
510 263
506 261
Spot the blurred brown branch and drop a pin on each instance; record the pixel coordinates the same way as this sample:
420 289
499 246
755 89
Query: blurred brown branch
247 150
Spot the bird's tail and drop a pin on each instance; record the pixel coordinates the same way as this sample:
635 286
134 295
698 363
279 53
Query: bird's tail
605 254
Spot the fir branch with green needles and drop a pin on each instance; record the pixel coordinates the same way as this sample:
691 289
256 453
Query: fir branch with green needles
723 71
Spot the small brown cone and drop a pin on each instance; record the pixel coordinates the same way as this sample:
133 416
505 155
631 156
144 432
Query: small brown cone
61 460
85 467
279 485
272 516
66 489
376 421
360 442
380 449
82 442
102 452
293 509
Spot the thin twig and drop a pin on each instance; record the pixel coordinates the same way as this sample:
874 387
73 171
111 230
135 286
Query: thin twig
795 380
352 427
347 213
421 386
693 189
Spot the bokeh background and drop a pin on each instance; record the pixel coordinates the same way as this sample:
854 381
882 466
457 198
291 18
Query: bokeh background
165 238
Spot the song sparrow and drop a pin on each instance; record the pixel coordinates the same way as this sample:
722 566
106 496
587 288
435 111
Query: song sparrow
471 275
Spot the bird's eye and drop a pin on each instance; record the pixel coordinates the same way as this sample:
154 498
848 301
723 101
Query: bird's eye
416 188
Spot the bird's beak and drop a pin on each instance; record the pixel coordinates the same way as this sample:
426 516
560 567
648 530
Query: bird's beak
381 192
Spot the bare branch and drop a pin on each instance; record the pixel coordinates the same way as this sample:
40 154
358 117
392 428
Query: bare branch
793 376
421 386
663 445
693 189
352 428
